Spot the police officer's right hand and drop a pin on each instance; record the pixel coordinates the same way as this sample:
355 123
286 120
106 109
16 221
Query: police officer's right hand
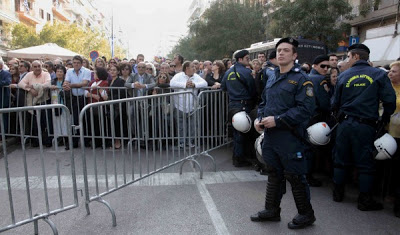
268 122
258 126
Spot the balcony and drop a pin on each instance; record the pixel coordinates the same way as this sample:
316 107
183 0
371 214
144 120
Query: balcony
8 15
369 11
29 16
59 13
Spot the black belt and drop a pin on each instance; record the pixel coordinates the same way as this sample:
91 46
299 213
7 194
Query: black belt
369 122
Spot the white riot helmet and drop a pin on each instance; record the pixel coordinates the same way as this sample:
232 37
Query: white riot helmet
317 133
241 122
386 146
255 124
258 148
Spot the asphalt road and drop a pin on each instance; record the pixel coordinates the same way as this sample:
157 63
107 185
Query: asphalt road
167 202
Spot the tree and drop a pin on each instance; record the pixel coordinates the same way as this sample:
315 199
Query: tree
321 20
224 28
69 36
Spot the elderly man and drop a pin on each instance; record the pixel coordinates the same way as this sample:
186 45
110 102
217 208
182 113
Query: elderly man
207 69
76 78
164 68
139 84
37 83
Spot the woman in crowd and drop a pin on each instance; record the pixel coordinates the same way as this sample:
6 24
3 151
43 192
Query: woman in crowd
394 130
99 63
227 63
126 72
161 83
14 84
333 73
86 63
60 117
97 92
214 79
117 91
112 61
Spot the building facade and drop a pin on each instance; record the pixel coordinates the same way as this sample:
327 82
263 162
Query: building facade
37 13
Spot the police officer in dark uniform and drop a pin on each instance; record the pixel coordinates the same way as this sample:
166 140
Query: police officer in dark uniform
322 112
286 109
358 93
239 83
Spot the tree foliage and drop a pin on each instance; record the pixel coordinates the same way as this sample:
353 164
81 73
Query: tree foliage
224 28
69 36
321 20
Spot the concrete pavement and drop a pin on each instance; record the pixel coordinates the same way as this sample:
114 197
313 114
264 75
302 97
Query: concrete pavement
169 203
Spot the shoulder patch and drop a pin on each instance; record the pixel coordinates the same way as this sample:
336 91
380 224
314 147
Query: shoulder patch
323 82
308 83
292 82
309 91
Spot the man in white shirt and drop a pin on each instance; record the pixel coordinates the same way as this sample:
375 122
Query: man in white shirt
184 103
76 78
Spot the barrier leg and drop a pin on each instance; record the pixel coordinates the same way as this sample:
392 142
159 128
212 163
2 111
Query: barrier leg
195 162
211 157
114 218
49 222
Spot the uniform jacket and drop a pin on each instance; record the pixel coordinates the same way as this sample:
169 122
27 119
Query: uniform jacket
148 80
359 90
262 78
289 97
236 90
322 99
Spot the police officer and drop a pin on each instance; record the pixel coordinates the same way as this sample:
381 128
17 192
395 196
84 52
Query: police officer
322 112
239 83
287 106
358 93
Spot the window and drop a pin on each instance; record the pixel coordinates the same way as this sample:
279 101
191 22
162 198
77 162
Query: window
48 17
41 13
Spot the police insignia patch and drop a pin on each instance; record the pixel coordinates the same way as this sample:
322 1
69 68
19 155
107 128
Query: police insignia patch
309 91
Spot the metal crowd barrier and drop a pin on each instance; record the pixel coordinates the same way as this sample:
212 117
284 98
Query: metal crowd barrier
213 113
38 188
156 132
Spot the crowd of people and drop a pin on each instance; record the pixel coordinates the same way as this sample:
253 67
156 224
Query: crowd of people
283 97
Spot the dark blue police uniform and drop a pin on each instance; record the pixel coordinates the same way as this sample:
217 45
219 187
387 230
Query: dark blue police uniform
242 94
358 93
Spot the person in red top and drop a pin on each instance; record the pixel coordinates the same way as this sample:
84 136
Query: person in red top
97 92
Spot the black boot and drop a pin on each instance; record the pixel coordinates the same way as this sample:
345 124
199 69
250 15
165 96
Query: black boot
305 216
338 193
239 162
313 182
272 210
396 208
367 203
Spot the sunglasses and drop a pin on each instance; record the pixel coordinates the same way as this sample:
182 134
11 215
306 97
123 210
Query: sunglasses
323 66
163 78
141 67
149 69
172 65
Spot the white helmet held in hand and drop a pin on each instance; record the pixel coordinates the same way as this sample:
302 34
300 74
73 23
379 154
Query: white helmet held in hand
258 148
386 146
255 124
317 133
241 122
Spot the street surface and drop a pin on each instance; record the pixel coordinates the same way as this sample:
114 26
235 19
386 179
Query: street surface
169 203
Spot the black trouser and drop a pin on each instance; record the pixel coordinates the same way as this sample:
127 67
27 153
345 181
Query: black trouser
77 104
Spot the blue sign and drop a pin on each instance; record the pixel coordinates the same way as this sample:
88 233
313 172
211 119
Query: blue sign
94 55
354 40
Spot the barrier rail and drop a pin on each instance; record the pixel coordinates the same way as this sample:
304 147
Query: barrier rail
162 129
37 210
